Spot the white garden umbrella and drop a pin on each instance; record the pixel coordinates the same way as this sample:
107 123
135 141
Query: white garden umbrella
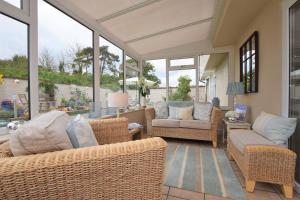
135 81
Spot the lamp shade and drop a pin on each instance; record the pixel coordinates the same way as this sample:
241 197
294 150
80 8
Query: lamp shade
235 88
117 99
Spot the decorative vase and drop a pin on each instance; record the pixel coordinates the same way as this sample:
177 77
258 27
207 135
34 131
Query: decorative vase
143 101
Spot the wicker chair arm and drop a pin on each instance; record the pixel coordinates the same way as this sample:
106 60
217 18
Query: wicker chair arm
273 163
150 115
215 120
115 171
111 130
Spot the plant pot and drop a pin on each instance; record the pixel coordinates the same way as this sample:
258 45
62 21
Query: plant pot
143 101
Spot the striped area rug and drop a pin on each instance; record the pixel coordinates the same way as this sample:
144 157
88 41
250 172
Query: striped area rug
202 169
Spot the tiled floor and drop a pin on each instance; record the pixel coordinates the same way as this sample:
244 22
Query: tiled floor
263 191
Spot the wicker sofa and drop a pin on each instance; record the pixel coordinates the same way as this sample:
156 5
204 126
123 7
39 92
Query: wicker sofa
261 160
193 129
111 171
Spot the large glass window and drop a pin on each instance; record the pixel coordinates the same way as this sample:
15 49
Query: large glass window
182 85
182 62
65 62
14 73
155 74
132 81
111 70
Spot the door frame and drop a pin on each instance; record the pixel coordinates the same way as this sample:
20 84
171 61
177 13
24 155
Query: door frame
286 62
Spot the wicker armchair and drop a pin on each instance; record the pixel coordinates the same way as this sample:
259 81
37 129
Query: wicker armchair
128 170
111 130
272 164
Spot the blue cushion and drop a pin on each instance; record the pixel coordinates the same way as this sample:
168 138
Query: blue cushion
81 133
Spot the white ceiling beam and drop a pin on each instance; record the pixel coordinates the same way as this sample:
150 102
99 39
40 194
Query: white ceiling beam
168 30
127 10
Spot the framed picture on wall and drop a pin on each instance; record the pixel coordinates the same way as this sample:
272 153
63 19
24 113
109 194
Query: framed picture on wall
249 63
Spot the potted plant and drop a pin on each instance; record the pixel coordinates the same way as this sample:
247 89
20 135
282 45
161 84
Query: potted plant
144 90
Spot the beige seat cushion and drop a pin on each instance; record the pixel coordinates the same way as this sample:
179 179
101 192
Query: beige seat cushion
165 123
42 134
196 124
240 138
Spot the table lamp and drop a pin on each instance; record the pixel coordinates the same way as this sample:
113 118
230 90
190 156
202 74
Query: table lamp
117 100
235 88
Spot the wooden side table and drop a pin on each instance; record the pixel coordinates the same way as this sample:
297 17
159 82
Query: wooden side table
233 125
137 133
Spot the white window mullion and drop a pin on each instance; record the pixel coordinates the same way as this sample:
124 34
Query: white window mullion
124 70
167 77
96 69
196 63
33 60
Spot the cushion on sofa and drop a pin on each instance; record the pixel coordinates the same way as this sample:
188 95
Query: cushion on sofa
81 133
181 113
44 133
180 103
275 128
240 138
195 124
173 123
202 111
161 110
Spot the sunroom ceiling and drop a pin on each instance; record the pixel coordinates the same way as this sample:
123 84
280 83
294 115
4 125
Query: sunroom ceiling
152 25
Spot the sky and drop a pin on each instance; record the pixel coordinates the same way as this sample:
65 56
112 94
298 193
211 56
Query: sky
13 34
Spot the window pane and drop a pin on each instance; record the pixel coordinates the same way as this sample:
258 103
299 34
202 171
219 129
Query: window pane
130 62
182 85
182 62
111 70
14 71
253 74
132 78
248 76
154 72
65 62
16 3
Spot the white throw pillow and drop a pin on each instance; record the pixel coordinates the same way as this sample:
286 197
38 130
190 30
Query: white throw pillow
81 133
202 111
42 134
275 128
181 113
161 110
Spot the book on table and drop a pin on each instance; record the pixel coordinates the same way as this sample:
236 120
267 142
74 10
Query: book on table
134 125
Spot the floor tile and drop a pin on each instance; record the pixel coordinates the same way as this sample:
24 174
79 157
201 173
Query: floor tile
263 195
264 186
165 190
176 192
173 198
212 197
165 197
277 188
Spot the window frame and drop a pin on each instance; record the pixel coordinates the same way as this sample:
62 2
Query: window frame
243 62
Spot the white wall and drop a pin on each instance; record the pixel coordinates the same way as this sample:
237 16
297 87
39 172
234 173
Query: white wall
268 23
221 74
